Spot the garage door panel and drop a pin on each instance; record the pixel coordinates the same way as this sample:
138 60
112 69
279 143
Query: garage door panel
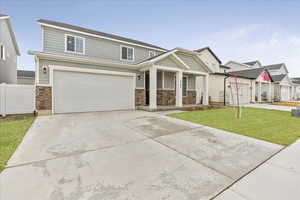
85 92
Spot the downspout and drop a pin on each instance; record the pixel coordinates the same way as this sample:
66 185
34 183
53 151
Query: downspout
226 77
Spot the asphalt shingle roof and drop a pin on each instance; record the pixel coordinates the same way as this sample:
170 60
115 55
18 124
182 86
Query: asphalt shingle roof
274 66
250 63
248 73
26 73
278 78
3 15
94 32
209 49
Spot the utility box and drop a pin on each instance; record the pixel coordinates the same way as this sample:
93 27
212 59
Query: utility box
296 112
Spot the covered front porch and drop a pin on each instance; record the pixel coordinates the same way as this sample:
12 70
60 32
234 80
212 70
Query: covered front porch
170 82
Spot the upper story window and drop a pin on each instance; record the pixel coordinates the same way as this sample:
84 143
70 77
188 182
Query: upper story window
74 44
2 52
127 53
152 54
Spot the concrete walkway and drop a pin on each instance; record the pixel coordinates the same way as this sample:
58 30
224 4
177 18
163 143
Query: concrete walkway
277 179
270 107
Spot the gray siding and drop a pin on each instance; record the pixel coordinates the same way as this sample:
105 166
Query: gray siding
191 82
25 81
191 62
159 79
167 62
8 67
54 42
44 77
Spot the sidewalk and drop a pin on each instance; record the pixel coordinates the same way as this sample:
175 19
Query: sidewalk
277 179
270 107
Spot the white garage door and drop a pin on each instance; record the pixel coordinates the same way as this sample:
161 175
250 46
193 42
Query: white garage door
285 93
85 92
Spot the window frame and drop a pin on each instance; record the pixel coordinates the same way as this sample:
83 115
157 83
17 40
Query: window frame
75 52
3 52
128 47
187 85
153 53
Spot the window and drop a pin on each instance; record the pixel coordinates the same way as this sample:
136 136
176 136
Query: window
75 44
127 53
152 54
2 52
184 86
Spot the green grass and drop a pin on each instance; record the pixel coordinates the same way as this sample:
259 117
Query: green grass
11 134
269 125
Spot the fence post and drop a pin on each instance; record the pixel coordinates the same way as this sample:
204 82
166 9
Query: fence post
3 99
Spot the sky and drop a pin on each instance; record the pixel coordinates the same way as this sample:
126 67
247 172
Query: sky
242 31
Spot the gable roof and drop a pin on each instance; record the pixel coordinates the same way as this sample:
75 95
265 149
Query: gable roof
209 49
225 67
96 33
250 73
278 78
275 66
3 16
25 74
7 18
251 63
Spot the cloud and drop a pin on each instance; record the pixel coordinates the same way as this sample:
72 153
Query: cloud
257 42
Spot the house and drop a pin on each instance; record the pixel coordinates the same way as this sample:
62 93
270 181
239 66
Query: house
25 77
281 87
296 88
9 51
80 70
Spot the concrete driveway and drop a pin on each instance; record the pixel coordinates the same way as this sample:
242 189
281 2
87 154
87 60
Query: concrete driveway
127 155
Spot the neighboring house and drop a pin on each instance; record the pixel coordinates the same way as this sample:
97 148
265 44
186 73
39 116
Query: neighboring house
296 88
81 70
8 51
26 77
282 89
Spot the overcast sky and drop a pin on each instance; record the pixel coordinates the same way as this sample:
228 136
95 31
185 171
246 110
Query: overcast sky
268 31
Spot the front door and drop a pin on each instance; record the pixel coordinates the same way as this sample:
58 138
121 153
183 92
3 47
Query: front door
147 87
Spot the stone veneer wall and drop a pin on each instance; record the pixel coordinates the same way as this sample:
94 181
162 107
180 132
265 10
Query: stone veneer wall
43 98
190 98
140 97
166 97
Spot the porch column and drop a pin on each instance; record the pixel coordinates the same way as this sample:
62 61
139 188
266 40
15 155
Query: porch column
205 92
153 87
259 92
198 89
253 88
270 92
179 88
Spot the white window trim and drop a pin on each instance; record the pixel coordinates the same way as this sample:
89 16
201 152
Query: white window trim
187 85
74 52
153 53
128 47
4 52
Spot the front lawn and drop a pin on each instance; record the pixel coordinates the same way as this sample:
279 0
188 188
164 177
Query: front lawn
12 132
269 125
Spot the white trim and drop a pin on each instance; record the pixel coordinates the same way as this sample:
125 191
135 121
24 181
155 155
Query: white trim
172 69
85 60
75 44
98 36
195 72
12 34
128 47
37 70
84 70
163 80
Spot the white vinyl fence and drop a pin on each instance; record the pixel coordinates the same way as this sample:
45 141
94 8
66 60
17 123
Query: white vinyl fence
16 99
